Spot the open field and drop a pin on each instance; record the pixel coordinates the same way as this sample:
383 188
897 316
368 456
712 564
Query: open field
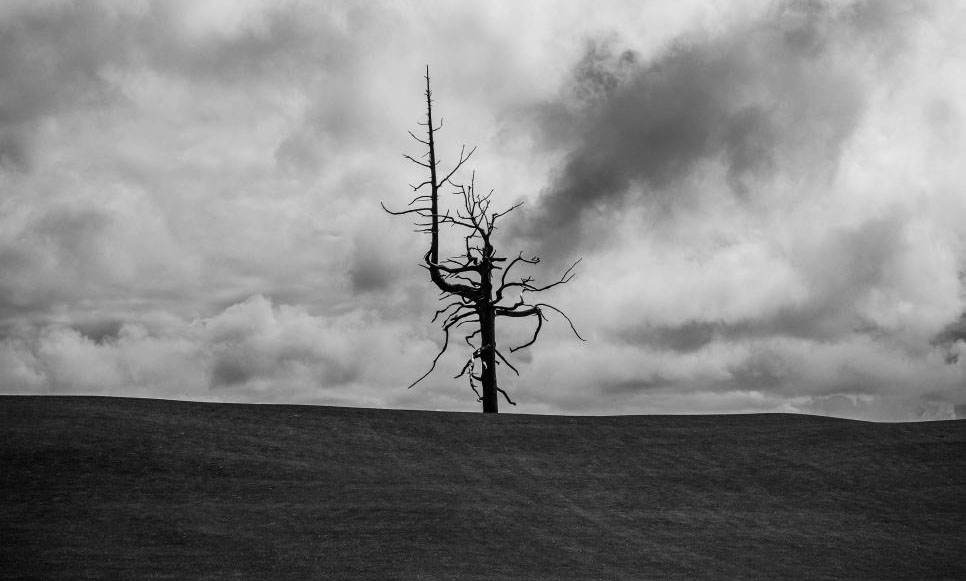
151 489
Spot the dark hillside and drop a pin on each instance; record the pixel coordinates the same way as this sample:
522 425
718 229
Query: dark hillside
149 489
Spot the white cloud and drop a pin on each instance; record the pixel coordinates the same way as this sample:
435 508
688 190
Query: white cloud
791 241
254 350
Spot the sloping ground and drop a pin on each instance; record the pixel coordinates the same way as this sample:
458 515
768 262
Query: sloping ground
148 489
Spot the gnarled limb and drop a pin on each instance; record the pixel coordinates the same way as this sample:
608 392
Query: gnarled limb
533 312
508 364
564 315
525 284
466 282
509 401
435 359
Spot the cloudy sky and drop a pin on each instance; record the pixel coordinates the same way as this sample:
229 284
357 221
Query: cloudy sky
768 198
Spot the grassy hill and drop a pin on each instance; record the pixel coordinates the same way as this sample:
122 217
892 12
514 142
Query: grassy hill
150 489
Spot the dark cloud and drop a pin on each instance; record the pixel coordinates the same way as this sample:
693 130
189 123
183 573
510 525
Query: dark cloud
64 55
371 272
687 338
845 269
763 371
73 233
776 371
48 58
62 242
99 330
780 95
951 334
166 166
229 371
619 387
259 341
14 150
374 267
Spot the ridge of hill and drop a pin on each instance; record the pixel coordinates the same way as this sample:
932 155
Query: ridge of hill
95 487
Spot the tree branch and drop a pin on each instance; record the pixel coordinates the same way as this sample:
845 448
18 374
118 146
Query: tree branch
466 282
524 283
564 315
403 212
435 359
459 164
536 331
508 364
417 162
508 400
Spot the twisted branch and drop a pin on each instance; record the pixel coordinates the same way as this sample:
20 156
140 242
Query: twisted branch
465 282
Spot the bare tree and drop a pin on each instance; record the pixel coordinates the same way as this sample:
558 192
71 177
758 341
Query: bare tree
475 298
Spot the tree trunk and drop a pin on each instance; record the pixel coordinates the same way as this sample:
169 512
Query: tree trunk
455 277
433 184
488 359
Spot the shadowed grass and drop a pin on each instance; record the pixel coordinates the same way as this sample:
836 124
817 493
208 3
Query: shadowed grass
151 489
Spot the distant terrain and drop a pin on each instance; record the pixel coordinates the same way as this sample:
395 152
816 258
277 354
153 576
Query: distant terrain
117 488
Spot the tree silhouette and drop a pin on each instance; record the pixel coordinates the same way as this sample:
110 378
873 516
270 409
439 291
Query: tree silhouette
474 297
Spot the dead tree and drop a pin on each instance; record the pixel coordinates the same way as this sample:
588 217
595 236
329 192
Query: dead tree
475 298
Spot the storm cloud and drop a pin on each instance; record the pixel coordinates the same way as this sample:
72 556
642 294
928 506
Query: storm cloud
779 96
767 196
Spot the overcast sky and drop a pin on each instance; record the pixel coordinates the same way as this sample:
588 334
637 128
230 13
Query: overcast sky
768 198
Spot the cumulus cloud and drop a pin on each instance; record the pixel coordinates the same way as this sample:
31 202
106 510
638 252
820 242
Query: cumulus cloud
768 198
738 193
778 95
254 350
61 56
